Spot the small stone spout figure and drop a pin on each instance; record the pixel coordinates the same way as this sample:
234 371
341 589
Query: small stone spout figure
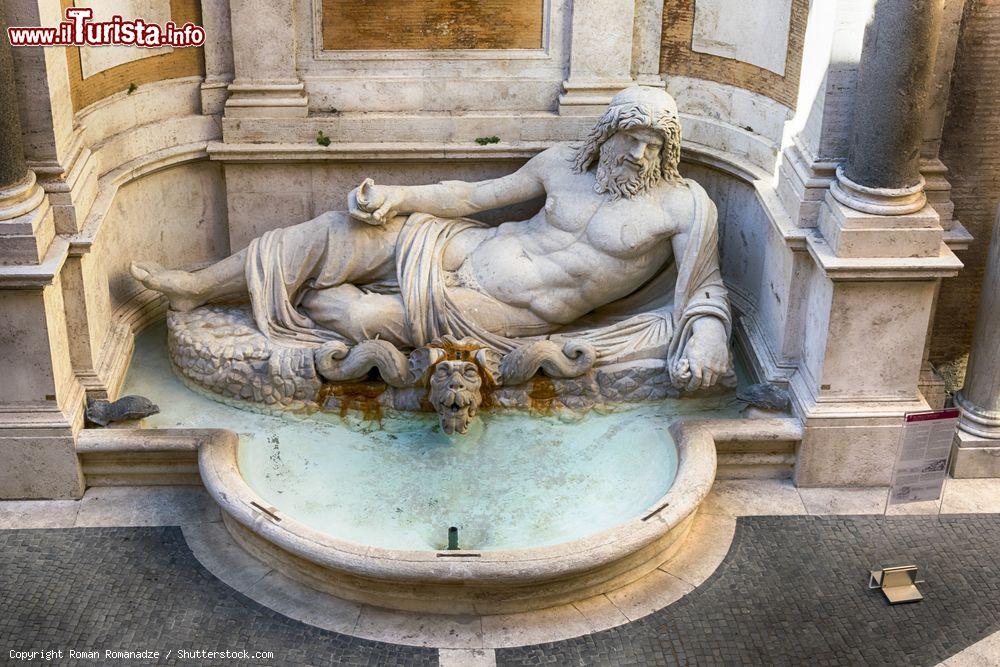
455 394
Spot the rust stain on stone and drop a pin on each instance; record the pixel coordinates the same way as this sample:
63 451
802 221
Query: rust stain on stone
360 396
542 394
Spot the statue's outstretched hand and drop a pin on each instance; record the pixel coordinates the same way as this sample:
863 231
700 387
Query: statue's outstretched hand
374 204
706 355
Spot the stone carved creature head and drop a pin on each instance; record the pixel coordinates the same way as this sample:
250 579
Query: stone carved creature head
456 371
633 111
456 394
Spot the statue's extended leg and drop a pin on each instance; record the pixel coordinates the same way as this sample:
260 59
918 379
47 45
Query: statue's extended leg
186 290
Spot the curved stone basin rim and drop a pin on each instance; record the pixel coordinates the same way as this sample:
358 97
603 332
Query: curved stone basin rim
695 475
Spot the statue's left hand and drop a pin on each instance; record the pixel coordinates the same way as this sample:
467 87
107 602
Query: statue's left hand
706 353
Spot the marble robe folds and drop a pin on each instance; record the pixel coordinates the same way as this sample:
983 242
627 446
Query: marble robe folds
654 322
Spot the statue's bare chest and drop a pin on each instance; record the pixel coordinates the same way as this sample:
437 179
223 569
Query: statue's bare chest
621 228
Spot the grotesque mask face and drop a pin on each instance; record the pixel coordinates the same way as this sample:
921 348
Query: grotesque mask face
629 163
455 394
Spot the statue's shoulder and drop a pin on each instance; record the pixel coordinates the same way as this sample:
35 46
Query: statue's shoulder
681 200
560 153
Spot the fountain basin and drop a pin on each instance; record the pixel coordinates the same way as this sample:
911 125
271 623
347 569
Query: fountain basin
463 581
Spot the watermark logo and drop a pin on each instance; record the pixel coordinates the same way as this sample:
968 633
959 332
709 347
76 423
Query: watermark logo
79 30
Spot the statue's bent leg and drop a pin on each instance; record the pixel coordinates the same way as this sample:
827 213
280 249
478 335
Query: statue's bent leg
358 315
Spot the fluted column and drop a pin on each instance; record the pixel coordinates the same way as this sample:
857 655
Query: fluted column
882 171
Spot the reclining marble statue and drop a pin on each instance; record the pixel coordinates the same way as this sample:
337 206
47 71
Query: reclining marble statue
622 259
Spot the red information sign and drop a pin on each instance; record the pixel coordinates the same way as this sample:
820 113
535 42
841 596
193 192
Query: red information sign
922 458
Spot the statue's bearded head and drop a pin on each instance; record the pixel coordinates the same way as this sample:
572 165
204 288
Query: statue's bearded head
640 117
455 394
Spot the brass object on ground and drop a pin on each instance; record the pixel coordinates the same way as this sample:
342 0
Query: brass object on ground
898 583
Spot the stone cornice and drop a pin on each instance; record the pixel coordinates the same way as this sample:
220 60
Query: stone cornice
36 276
945 265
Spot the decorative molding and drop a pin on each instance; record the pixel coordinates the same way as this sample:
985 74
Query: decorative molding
677 56
179 63
380 25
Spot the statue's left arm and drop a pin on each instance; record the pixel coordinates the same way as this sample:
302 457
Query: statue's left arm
449 199
704 321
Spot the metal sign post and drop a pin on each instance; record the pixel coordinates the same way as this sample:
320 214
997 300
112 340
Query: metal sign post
918 475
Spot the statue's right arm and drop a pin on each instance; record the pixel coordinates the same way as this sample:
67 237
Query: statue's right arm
455 199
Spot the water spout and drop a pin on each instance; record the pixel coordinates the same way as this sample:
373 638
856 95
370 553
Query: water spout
453 538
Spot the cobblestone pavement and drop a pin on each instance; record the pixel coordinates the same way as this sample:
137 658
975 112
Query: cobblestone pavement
142 589
791 592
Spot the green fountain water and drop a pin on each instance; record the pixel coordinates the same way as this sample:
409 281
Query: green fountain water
514 481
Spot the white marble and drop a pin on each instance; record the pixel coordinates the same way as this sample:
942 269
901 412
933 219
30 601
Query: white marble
38 513
969 496
707 545
745 497
635 220
651 593
831 500
295 600
753 31
467 657
415 629
534 627
146 506
600 612
984 653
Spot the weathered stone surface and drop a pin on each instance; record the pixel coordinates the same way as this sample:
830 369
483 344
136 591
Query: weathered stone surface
219 349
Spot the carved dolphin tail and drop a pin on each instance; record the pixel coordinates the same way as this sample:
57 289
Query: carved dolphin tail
336 362
557 359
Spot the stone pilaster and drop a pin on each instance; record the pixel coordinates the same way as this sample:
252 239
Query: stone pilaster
266 83
41 403
878 264
218 50
600 62
647 34
977 444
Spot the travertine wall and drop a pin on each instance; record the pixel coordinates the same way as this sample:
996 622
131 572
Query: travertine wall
155 66
971 151
682 55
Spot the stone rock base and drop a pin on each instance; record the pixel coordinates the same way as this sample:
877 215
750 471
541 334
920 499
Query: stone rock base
220 349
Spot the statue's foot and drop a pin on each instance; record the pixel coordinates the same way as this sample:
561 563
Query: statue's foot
180 287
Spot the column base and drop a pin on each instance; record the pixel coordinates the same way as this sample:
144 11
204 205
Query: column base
213 97
267 100
974 457
975 421
27 224
852 233
878 201
40 465
586 98
803 181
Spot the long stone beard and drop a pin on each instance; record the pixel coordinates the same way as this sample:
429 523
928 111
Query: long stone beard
625 183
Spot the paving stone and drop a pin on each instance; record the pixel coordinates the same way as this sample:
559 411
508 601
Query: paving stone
792 592
142 589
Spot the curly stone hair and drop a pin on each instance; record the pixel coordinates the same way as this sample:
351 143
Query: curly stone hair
627 116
